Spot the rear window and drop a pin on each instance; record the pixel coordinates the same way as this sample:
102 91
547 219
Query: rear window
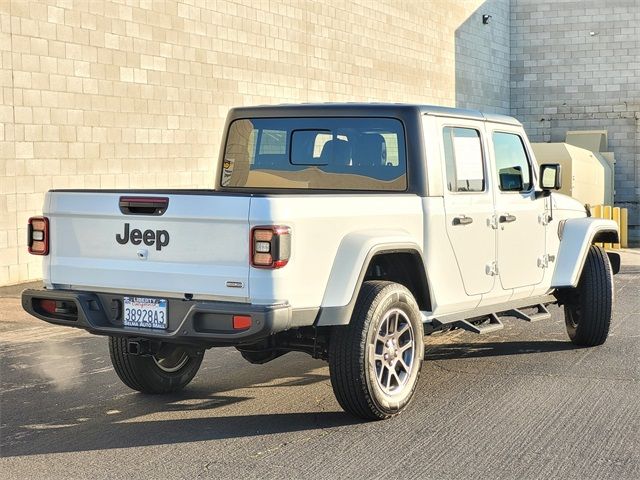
315 153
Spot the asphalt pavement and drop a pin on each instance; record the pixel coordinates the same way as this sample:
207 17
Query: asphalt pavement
519 403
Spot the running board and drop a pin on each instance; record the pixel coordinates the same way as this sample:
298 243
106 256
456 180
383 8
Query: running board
541 314
512 308
493 325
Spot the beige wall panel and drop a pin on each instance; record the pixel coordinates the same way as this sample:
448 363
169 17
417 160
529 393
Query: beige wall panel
133 94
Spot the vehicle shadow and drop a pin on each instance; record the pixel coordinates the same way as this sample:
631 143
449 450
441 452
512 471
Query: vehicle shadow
99 413
494 349
107 433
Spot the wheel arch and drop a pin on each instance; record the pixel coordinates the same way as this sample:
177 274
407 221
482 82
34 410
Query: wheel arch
397 260
404 266
578 234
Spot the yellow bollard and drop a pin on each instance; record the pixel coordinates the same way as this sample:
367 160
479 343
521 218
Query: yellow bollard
597 211
624 227
616 218
606 213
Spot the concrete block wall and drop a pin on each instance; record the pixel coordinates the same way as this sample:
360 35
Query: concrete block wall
483 59
133 93
575 65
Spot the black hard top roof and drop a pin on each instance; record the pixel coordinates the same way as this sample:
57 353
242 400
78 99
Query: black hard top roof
366 109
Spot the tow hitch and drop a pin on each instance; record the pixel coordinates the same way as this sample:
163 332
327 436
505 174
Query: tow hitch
141 347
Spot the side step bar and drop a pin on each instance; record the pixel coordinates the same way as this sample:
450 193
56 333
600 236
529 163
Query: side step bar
492 314
493 325
541 314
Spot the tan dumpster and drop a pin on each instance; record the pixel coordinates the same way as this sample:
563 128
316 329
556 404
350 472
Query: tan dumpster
592 140
587 176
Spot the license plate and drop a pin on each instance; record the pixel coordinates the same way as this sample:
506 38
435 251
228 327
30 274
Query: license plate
145 312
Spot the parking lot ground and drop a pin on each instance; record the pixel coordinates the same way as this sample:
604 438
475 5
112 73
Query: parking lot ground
519 403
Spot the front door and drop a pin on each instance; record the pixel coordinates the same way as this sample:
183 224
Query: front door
520 216
468 203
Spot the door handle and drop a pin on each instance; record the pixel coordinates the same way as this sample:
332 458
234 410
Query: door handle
143 205
507 218
462 220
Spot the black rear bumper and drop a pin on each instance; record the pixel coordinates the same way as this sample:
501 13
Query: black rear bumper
192 322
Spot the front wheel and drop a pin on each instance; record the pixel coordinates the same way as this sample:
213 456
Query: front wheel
375 361
168 370
588 312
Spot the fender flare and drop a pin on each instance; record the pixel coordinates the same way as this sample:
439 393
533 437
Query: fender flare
578 234
350 267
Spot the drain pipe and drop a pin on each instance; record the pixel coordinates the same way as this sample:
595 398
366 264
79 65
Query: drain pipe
637 172
637 158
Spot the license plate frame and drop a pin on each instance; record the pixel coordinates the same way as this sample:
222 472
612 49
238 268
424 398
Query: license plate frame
145 312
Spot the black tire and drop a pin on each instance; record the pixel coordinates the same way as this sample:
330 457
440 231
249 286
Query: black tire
147 374
588 312
357 377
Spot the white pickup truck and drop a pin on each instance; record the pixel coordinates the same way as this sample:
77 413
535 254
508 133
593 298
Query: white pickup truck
346 231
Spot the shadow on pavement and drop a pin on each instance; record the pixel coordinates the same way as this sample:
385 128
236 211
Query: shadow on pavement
98 413
108 433
494 349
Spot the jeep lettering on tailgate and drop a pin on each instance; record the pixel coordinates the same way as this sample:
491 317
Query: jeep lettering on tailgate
160 237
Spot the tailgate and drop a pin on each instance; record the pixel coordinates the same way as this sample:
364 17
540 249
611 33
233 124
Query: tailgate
199 245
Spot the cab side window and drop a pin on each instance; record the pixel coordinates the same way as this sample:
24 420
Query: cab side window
512 163
463 159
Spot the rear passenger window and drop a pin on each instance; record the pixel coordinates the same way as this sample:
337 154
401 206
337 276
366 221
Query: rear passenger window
463 158
391 143
512 162
273 142
311 147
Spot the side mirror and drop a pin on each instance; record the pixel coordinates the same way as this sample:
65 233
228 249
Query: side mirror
550 176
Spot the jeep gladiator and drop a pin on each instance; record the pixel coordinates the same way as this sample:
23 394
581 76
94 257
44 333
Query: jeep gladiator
346 231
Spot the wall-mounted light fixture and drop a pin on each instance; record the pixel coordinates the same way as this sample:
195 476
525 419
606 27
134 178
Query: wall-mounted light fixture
486 19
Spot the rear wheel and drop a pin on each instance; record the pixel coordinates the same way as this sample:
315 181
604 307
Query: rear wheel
375 361
168 370
588 311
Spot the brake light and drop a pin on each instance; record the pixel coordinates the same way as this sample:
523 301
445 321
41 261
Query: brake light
270 246
38 236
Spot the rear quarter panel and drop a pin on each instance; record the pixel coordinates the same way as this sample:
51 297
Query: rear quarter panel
319 225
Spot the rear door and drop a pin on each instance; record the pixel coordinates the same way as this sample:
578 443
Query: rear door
469 203
520 216
197 245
